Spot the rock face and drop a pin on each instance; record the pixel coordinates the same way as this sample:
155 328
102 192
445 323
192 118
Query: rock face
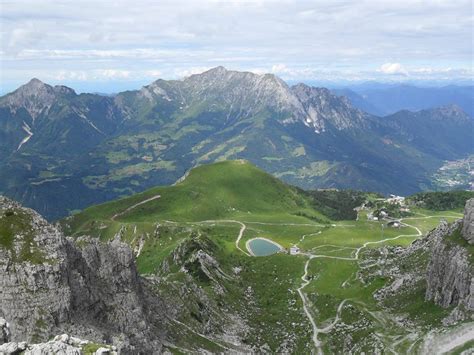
50 284
37 97
468 222
321 109
440 265
450 274
61 344
4 331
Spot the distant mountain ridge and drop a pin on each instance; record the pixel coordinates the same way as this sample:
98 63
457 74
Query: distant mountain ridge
61 151
385 100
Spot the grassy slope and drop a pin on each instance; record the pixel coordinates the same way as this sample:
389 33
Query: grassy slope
216 191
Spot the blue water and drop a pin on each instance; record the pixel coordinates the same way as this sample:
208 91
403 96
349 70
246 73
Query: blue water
261 247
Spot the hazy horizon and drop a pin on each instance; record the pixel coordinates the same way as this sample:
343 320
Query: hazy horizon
114 87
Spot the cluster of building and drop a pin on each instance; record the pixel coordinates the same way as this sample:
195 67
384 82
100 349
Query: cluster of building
396 200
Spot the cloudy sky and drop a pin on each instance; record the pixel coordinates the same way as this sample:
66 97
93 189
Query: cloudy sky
111 45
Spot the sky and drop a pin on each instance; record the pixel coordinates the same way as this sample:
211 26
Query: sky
109 46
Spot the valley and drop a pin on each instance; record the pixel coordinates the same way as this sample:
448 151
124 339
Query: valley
236 177
326 288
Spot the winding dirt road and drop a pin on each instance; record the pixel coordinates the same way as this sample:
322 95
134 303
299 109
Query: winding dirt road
134 206
304 299
304 277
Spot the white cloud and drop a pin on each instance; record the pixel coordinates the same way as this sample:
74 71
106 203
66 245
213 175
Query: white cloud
114 74
71 75
100 74
295 39
279 68
393 68
22 37
183 73
154 73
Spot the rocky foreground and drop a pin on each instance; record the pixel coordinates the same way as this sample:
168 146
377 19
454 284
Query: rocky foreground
50 284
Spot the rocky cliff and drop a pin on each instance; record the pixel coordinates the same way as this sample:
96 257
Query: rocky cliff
437 268
468 222
450 274
50 284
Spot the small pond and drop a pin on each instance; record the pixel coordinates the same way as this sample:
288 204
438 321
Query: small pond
262 247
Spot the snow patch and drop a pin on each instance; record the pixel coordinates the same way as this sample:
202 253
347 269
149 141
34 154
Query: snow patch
29 133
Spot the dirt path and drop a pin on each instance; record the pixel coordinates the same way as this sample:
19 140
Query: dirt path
307 235
305 281
199 334
243 227
239 237
134 206
304 299
315 340
442 343
454 215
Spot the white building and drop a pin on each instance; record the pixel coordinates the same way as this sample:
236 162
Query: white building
371 217
294 250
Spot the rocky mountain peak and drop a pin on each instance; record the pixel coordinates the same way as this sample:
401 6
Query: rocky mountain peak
219 70
213 74
246 93
35 97
62 90
34 82
34 87
221 75
452 112
321 107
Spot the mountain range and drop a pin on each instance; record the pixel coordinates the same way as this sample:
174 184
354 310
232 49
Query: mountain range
61 151
387 99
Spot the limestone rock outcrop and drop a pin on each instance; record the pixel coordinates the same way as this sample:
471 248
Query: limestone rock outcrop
60 344
4 331
450 274
468 222
51 284
440 265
